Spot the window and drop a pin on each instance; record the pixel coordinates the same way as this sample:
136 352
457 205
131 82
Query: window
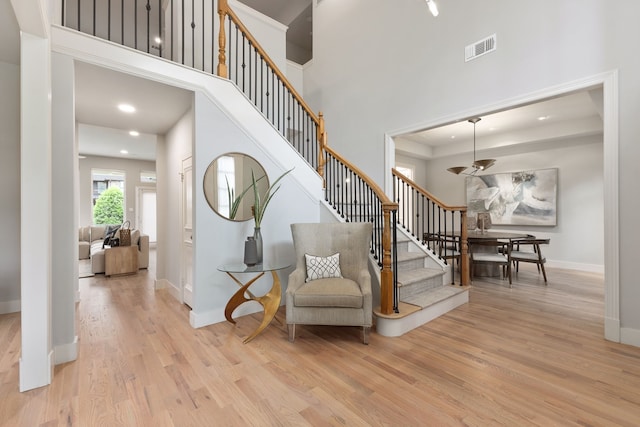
226 182
109 211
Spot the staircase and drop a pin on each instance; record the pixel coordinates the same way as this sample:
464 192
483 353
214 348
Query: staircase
425 292
422 292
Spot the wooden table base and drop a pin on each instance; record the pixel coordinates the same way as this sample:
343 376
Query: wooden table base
269 301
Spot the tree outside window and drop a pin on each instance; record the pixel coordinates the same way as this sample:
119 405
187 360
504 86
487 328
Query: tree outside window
108 196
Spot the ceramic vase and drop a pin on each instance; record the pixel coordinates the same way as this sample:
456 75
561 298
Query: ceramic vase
250 252
257 236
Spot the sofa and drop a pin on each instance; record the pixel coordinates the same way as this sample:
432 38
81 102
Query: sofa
90 240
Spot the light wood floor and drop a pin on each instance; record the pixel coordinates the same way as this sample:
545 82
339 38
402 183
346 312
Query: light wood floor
531 355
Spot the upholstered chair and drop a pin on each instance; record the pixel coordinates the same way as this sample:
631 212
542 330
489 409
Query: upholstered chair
317 294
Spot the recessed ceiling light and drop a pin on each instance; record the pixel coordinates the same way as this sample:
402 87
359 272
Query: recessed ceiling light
453 137
541 118
134 133
126 108
124 152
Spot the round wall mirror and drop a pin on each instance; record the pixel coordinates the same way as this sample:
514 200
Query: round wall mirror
228 185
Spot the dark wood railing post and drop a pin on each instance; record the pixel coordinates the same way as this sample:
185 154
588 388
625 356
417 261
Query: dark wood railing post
386 275
464 252
223 7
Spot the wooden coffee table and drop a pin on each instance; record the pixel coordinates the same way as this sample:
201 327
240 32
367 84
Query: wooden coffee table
120 260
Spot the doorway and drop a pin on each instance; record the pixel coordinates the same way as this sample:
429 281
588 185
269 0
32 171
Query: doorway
146 209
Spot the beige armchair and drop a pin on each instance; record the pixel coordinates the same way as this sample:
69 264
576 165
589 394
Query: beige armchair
339 301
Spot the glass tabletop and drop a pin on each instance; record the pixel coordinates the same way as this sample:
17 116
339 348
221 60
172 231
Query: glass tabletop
258 268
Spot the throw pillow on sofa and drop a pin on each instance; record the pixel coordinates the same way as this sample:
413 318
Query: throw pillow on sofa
109 233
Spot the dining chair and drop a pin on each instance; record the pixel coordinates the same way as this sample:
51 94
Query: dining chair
533 254
491 252
446 247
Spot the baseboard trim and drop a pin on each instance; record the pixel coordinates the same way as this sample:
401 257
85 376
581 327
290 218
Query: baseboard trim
612 329
630 336
7 307
390 327
31 378
66 352
566 265
210 317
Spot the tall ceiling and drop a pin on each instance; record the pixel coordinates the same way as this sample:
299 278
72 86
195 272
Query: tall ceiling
297 15
9 34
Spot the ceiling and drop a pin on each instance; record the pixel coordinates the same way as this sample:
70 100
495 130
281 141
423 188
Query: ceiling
297 15
9 34
570 116
103 129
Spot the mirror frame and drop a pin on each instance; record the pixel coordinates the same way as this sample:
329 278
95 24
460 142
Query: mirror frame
242 177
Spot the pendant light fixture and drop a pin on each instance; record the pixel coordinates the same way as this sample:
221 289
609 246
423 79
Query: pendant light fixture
478 165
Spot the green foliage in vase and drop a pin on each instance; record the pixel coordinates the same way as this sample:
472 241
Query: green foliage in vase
261 202
109 207
234 202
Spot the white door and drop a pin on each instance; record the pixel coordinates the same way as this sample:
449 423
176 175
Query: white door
146 221
187 232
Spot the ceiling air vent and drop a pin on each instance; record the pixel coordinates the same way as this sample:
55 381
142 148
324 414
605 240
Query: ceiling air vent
480 48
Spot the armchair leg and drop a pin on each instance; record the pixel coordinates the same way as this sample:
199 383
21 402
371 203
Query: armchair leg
291 327
365 334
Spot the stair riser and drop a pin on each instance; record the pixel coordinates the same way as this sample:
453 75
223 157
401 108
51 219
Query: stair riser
420 287
410 264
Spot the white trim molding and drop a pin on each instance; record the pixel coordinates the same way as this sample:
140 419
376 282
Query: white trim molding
609 82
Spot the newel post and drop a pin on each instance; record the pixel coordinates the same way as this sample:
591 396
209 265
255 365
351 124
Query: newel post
322 141
386 275
222 40
464 252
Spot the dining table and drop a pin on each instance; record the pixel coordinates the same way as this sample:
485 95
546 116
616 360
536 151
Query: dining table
475 235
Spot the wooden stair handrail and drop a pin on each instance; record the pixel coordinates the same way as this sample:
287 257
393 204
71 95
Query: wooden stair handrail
224 9
427 194
464 244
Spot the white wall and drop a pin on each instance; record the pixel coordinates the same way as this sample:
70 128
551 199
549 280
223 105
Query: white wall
176 146
580 195
132 169
9 191
218 241
413 72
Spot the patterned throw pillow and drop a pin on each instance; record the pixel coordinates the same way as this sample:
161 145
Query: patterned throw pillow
321 267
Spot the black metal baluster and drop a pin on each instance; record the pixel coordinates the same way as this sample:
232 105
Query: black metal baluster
148 8
171 17
109 21
160 36
94 17
193 34
202 30
135 24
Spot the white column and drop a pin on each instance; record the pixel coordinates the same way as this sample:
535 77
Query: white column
36 367
64 168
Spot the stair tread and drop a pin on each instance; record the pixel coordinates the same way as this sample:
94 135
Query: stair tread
407 277
435 295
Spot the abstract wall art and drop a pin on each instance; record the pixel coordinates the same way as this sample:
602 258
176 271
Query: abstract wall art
515 198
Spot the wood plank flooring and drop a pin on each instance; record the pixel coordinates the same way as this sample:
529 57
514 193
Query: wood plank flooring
532 355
